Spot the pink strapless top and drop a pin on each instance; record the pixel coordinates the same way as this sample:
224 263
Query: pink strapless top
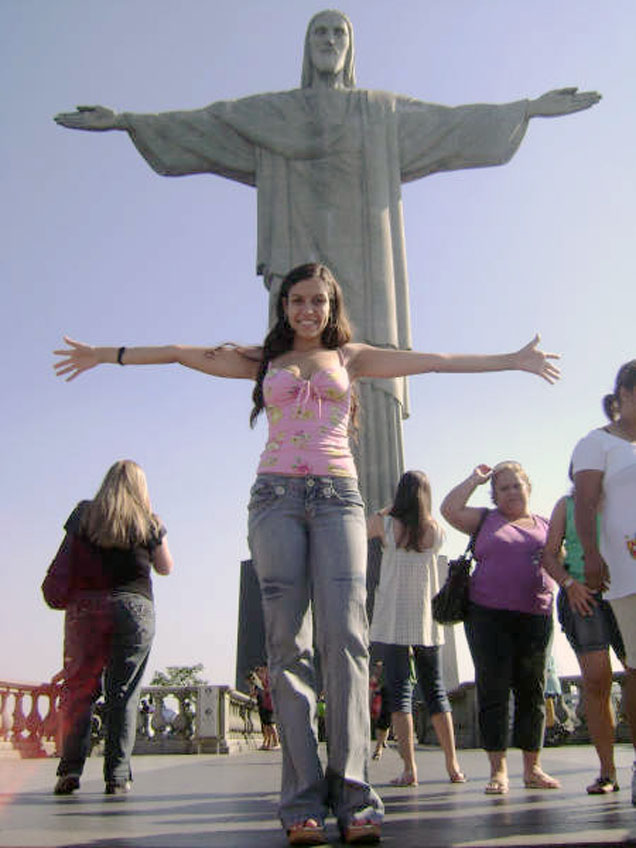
308 423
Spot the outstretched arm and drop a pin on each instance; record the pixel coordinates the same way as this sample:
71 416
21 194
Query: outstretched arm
368 361
224 361
562 101
95 118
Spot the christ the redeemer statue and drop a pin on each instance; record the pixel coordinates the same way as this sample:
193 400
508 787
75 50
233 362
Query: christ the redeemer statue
328 160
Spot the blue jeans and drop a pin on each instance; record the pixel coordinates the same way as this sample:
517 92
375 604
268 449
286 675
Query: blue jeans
397 674
308 541
107 641
509 652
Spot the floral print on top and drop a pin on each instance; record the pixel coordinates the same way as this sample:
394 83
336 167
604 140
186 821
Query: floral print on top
308 423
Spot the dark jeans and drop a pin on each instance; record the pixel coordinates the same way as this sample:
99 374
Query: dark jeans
397 674
107 640
509 652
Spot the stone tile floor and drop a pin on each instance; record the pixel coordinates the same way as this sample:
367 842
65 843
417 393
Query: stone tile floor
230 802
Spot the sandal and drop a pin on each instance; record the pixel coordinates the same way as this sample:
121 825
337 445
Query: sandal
603 786
541 780
363 828
363 832
405 779
457 777
497 786
309 832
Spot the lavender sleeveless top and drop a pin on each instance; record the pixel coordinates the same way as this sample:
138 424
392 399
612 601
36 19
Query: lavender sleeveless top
508 575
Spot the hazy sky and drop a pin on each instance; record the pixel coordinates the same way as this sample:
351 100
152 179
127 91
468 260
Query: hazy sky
98 246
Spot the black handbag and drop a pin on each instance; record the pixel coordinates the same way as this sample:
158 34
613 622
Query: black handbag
450 604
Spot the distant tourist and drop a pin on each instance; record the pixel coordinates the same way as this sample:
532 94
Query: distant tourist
114 542
509 624
604 466
260 690
403 628
591 629
380 709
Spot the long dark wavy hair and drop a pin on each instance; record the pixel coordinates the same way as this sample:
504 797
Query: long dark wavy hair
625 379
412 506
280 338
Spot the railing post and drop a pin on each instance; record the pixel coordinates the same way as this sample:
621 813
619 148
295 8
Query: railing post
208 721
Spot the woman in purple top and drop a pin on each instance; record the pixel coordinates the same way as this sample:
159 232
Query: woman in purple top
509 625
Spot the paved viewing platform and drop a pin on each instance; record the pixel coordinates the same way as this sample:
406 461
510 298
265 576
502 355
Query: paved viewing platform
217 801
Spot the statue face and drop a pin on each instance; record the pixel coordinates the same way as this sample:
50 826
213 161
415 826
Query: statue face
329 43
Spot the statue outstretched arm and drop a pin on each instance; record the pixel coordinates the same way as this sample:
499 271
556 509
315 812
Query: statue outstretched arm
177 143
94 118
562 101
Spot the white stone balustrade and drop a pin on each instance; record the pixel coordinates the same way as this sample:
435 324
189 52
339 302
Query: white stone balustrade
174 720
29 717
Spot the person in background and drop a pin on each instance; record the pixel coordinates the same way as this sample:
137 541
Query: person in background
266 710
590 627
109 622
509 623
604 467
380 709
403 623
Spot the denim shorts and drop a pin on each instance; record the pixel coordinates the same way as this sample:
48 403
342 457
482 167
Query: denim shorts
595 632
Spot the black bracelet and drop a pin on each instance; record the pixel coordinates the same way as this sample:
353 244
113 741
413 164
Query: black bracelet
120 355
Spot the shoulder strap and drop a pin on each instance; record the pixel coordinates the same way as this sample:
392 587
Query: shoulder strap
473 539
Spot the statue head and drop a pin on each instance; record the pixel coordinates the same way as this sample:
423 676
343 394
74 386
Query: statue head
329 49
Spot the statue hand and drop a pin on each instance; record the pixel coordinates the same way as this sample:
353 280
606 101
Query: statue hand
76 358
562 101
531 359
96 118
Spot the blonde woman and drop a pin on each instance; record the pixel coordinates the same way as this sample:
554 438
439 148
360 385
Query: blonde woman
115 541
509 624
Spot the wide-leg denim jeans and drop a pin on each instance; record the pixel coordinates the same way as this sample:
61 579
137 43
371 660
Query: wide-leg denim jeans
308 541
107 641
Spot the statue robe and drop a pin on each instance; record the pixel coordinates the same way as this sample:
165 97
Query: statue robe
328 167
